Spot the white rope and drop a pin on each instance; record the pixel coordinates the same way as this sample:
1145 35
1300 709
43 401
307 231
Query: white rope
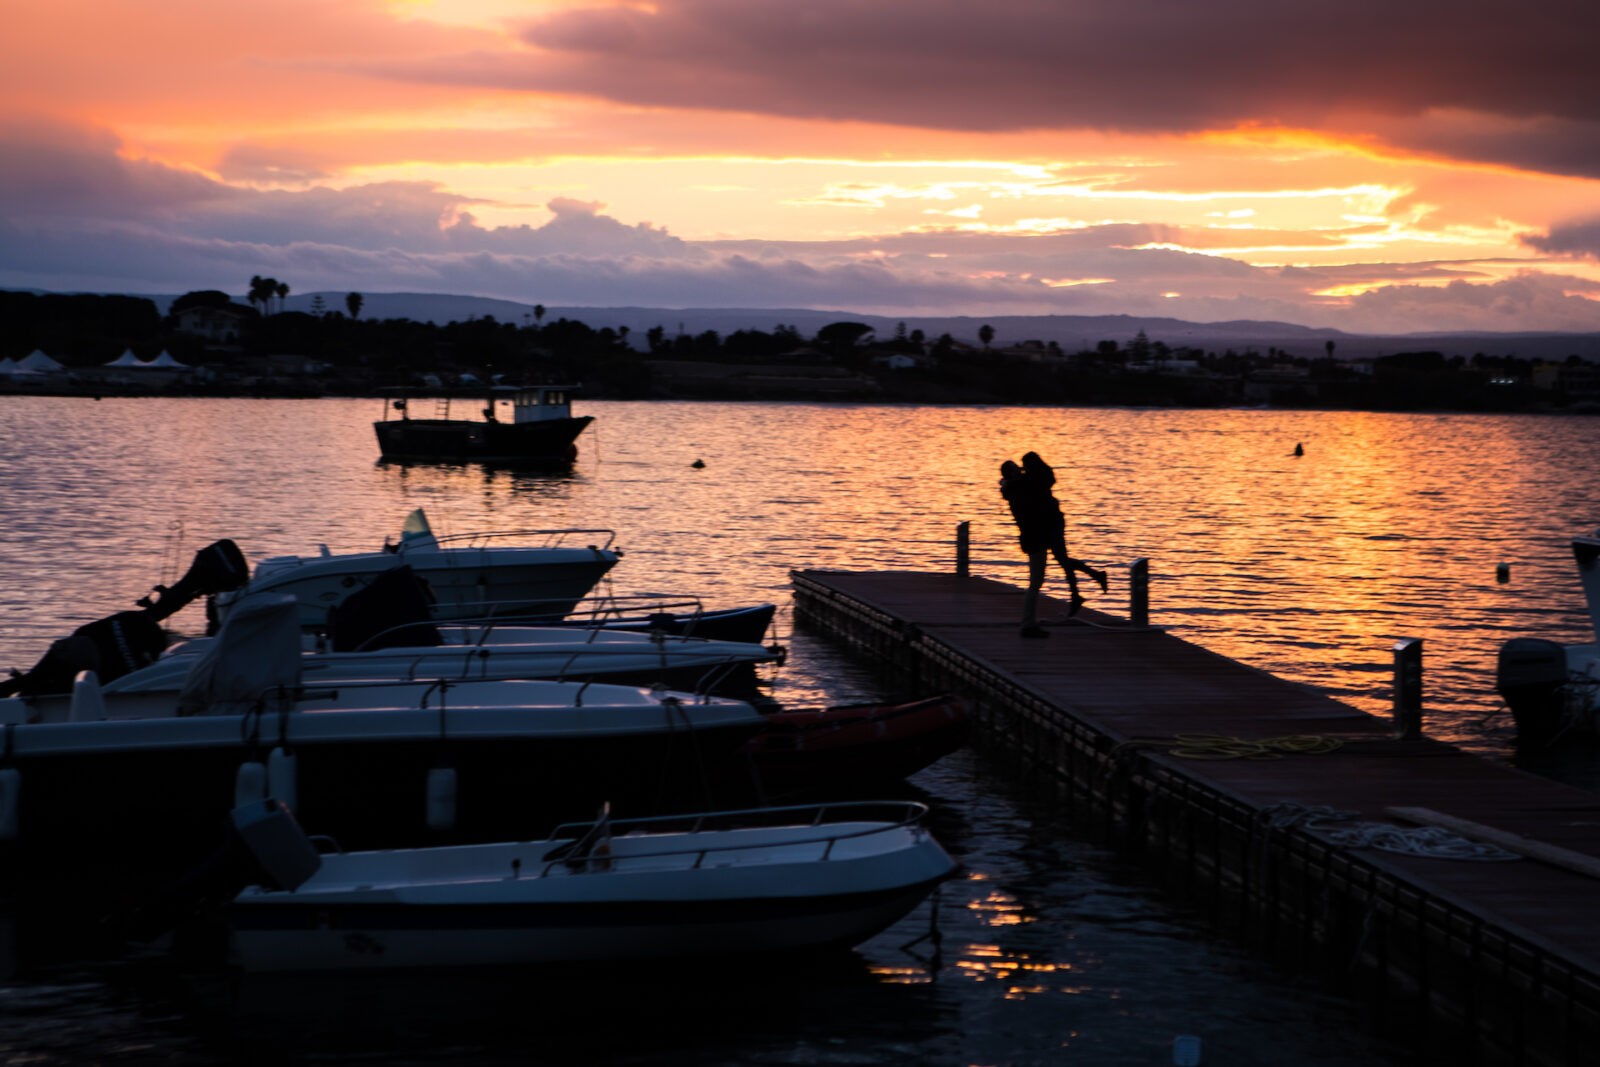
1432 842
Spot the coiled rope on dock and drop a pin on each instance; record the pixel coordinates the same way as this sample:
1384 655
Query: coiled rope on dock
1220 747
1339 827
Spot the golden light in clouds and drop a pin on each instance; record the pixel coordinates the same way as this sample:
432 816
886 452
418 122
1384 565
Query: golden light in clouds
445 94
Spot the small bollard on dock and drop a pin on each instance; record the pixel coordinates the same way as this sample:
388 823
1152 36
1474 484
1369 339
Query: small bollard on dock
963 548
1139 592
1408 689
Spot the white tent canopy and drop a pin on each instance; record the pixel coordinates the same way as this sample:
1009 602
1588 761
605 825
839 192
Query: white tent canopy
38 361
127 359
7 365
165 360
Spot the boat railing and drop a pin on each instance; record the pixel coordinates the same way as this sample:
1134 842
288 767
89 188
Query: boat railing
281 701
884 816
591 623
581 665
496 538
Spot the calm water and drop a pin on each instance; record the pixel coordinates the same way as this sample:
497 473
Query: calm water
1389 526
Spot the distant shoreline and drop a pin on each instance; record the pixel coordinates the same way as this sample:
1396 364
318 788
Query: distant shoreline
886 398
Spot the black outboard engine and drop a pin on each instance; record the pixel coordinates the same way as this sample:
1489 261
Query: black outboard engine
218 568
1531 677
111 647
124 642
395 610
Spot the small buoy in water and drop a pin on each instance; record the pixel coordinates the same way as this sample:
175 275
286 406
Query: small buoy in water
697 464
1502 573
1299 449
281 779
442 798
10 797
250 783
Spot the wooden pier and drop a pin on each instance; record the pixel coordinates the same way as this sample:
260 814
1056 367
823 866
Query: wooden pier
1148 740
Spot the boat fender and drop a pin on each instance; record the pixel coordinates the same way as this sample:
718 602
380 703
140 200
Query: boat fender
249 782
282 780
442 798
10 798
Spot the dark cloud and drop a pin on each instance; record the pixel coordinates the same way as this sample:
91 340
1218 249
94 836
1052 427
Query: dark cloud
1142 65
1573 239
49 170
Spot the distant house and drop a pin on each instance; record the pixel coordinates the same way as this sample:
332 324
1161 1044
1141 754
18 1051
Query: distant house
217 325
1578 381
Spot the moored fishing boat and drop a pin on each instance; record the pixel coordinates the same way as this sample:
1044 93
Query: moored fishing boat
741 882
542 429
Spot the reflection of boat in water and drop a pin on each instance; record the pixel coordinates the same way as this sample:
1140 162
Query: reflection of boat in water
542 429
761 880
1552 688
527 571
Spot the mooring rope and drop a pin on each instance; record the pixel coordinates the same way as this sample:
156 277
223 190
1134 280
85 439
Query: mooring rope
1219 747
1340 828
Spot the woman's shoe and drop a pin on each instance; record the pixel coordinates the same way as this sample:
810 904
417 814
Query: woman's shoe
1100 576
1077 602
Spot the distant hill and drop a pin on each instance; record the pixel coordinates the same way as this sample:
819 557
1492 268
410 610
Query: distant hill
1072 332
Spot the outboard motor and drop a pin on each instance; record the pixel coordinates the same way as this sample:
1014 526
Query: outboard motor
218 568
395 610
111 647
1532 676
121 643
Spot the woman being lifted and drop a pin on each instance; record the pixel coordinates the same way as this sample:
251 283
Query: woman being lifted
1029 490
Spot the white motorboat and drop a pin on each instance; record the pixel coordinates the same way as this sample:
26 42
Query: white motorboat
487 653
525 572
1553 688
101 780
767 880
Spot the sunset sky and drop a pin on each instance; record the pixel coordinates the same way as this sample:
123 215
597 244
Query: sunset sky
1376 167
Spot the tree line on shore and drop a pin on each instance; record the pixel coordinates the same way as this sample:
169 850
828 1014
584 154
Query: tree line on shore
356 355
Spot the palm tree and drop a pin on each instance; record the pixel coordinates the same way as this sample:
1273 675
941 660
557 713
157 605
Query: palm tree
538 313
352 303
282 289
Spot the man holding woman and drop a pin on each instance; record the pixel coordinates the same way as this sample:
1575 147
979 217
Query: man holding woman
1028 489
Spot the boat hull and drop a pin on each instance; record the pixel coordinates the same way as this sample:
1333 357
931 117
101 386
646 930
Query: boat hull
374 937
854 746
543 442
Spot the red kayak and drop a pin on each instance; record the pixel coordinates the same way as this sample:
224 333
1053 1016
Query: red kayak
856 744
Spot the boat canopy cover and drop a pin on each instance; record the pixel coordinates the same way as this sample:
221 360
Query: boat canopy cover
257 651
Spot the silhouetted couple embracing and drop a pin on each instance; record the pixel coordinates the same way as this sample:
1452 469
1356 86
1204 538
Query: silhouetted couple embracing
1029 489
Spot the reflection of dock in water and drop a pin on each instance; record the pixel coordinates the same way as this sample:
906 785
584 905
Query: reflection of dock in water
1256 801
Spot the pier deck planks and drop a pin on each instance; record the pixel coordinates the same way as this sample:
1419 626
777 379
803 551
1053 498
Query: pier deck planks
1139 688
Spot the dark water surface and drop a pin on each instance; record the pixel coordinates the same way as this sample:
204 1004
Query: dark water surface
1050 951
